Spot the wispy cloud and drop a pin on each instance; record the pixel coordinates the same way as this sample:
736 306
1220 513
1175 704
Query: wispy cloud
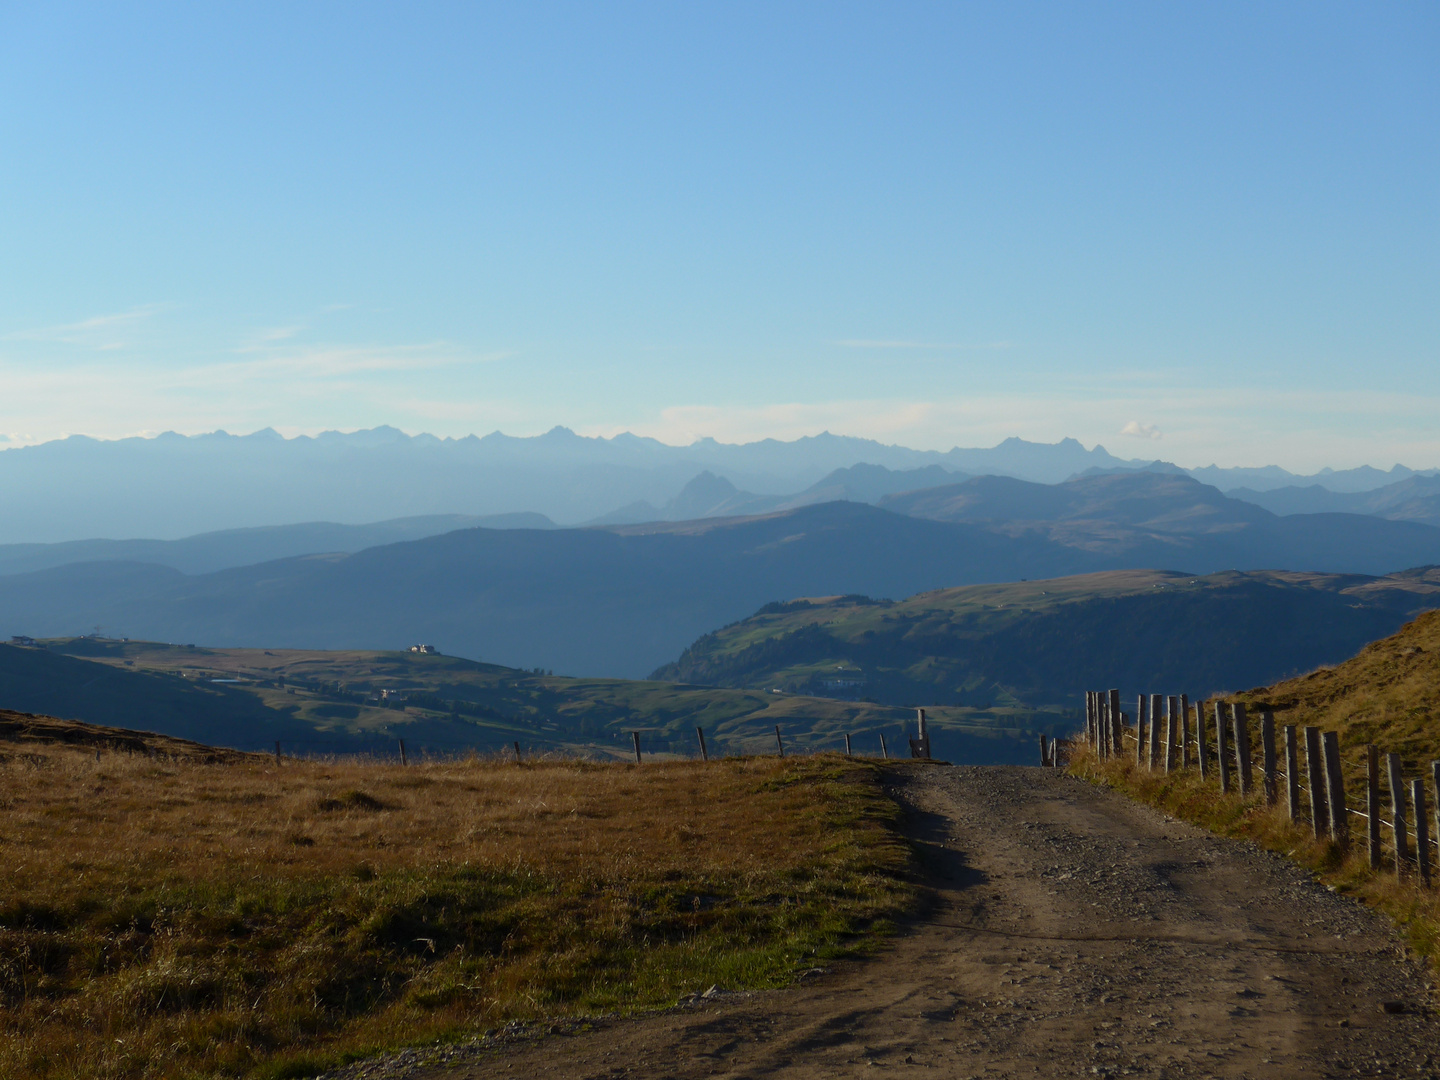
100 332
334 361
1137 430
268 336
869 343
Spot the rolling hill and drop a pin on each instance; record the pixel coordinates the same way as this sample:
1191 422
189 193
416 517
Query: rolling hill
347 702
1028 645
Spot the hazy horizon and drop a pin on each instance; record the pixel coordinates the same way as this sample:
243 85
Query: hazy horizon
1112 447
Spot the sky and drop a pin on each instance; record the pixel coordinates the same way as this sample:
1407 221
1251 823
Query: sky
1208 233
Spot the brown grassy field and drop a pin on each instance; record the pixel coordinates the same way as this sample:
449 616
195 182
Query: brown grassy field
1387 695
165 917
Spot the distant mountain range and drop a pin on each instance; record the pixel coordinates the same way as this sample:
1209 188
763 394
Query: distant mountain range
1416 498
174 486
709 496
622 599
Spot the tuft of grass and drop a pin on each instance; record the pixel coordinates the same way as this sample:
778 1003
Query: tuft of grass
173 917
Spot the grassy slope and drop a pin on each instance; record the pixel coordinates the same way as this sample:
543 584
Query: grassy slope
1027 645
1387 695
325 702
166 917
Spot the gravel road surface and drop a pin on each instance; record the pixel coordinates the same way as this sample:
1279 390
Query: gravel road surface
1072 933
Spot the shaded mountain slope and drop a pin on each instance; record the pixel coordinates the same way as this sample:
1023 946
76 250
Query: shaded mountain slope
708 495
1416 498
244 547
38 680
1161 502
1030 644
1166 519
614 602
620 601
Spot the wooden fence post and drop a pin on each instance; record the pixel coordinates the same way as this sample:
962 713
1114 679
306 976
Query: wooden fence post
517 751
780 746
1202 750
920 745
277 753
1267 750
1222 751
1090 717
1117 725
705 754
1172 731
847 745
1292 773
1043 759
1339 815
1155 710
1397 812
884 750
1142 716
1422 830
1242 746
1315 770
1435 781
1372 805
403 759
635 737
1184 731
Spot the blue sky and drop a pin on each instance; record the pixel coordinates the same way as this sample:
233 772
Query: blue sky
1215 227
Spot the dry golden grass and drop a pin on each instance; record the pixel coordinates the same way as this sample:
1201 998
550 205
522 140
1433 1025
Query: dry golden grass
164 918
1387 694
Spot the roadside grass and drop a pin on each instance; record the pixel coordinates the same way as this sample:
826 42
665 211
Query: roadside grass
163 917
1182 795
1387 695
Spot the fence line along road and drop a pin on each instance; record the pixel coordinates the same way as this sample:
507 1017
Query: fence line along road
1163 741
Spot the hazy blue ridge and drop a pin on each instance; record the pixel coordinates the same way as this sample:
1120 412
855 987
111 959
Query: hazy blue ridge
175 486
621 600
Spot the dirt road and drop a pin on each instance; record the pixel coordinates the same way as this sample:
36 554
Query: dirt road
1074 933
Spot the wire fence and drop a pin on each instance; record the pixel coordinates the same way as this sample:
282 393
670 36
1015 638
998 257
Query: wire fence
1168 735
